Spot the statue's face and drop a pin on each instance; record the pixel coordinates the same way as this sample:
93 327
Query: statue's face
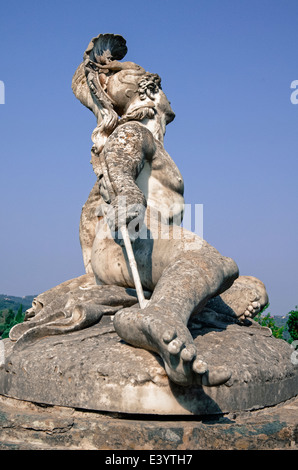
122 87
163 107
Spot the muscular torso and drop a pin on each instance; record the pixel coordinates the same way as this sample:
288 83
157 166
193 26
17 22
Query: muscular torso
136 159
162 184
154 176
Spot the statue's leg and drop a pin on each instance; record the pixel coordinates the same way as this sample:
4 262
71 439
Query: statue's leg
189 273
244 299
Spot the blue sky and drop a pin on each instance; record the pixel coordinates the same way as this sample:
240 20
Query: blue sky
226 66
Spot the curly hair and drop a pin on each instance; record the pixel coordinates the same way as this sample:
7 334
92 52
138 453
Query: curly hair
101 60
149 85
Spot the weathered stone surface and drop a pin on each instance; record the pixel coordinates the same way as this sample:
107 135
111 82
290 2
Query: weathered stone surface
140 189
86 343
94 369
27 426
73 305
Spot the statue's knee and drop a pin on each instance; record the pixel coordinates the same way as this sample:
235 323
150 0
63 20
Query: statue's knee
231 269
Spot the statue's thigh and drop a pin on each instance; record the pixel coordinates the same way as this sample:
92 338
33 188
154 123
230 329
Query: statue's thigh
154 255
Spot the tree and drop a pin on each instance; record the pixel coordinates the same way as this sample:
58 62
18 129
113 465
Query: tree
20 315
292 324
11 319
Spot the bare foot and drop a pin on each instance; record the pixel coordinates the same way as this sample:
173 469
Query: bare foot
246 297
166 335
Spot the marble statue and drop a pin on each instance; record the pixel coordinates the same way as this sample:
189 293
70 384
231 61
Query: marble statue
139 186
160 322
180 269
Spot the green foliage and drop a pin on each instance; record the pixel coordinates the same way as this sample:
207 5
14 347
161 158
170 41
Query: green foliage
268 321
8 319
288 332
20 315
292 324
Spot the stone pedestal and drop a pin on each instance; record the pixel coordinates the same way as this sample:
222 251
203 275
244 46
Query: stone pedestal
93 369
27 426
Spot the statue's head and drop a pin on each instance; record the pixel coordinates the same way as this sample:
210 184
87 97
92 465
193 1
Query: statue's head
138 97
117 91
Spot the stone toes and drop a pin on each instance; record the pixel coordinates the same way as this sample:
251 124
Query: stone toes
169 335
188 353
251 310
199 366
175 346
217 376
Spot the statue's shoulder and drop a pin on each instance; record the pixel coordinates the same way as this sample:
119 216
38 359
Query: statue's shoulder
133 127
136 134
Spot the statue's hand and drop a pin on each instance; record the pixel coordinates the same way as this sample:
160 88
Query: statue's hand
135 219
120 213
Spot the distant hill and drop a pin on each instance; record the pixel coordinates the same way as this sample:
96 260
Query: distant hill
13 303
282 321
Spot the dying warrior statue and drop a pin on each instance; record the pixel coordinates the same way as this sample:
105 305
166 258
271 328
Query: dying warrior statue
139 187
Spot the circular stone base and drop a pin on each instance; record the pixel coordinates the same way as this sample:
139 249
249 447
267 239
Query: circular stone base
27 426
93 369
